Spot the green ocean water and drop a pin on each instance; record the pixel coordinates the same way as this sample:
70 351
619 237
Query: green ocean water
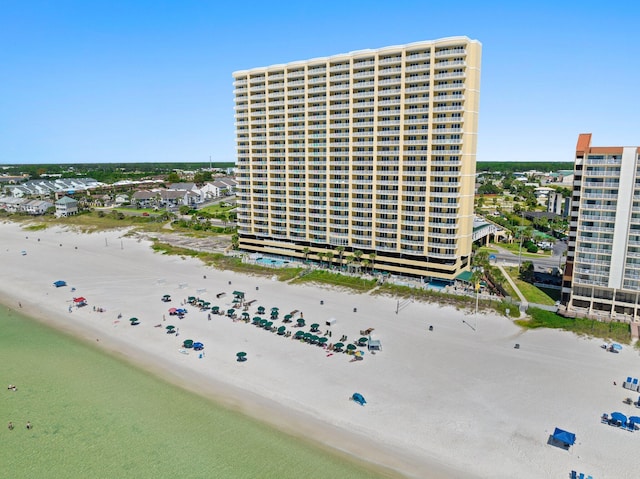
95 416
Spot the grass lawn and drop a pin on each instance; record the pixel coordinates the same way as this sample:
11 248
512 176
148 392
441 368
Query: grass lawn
216 208
515 249
532 293
609 331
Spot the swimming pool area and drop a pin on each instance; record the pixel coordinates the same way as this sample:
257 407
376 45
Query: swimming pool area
272 262
437 285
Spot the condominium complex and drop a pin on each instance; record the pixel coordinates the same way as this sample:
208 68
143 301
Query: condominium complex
602 275
370 152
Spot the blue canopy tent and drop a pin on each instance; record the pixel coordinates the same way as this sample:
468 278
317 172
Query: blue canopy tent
359 398
60 283
198 346
634 422
618 419
565 437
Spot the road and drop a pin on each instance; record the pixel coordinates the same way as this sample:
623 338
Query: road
505 257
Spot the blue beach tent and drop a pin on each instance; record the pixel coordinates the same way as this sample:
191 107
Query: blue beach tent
59 283
565 437
359 398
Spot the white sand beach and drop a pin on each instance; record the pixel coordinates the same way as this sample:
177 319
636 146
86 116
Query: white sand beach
452 402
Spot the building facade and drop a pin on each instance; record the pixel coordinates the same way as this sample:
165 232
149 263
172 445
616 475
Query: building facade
371 151
602 275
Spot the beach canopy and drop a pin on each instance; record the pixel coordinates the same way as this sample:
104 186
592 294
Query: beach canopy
261 308
59 283
566 437
338 346
170 327
167 296
188 343
231 311
300 334
287 317
301 321
172 310
133 320
351 347
282 329
198 346
619 417
256 319
634 420
79 300
238 293
617 346
362 340
315 326
323 340
245 314
242 356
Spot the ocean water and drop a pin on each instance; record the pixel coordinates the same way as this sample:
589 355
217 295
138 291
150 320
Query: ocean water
97 416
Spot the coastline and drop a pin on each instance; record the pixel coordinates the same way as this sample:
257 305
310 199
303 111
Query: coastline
445 404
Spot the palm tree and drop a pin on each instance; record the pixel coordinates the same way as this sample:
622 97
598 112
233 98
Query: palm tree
306 252
365 263
372 258
235 241
321 257
350 259
329 257
340 250
358 254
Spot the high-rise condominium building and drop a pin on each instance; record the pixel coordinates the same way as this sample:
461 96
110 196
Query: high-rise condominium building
602 274
370 152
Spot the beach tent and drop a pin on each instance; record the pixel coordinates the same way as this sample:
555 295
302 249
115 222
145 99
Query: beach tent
359 398
619 419
188 343
80 301
60 283
198 346
374 345
565 437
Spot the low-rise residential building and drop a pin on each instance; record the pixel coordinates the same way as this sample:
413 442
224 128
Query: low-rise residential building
66 206
36 207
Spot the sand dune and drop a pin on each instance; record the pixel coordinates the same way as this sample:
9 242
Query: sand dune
451 402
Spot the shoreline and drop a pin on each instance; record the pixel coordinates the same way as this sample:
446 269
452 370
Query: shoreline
449 403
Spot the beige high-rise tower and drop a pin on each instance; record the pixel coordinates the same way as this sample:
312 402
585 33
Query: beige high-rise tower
371 152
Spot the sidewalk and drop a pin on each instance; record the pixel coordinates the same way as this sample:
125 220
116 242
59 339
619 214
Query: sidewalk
523 302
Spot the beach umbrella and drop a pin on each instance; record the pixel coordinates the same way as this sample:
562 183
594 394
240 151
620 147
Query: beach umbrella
287 317
275 308
256 319
231 312
299 334
215 309
59 283
338 346
134 321
263 322
268 325
181 310
198 346
166 297
300 322
313 339
617 346
323 340
245 315
351 347
260 309
315 326
242 356
170 328
188 343
362 341
173 310
191 298
206 304
282 330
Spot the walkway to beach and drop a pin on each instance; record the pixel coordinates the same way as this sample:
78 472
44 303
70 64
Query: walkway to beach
523 302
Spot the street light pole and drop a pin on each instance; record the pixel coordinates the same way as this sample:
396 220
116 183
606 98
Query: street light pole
521 235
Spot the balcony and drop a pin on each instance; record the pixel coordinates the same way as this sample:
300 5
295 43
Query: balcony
440 76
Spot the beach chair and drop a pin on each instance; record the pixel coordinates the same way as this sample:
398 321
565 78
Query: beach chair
627 383
581 475
574 475
634 384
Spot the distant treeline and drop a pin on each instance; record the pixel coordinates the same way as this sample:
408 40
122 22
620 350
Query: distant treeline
108 172
517 166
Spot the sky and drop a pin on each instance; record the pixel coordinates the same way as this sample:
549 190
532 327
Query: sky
151 81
